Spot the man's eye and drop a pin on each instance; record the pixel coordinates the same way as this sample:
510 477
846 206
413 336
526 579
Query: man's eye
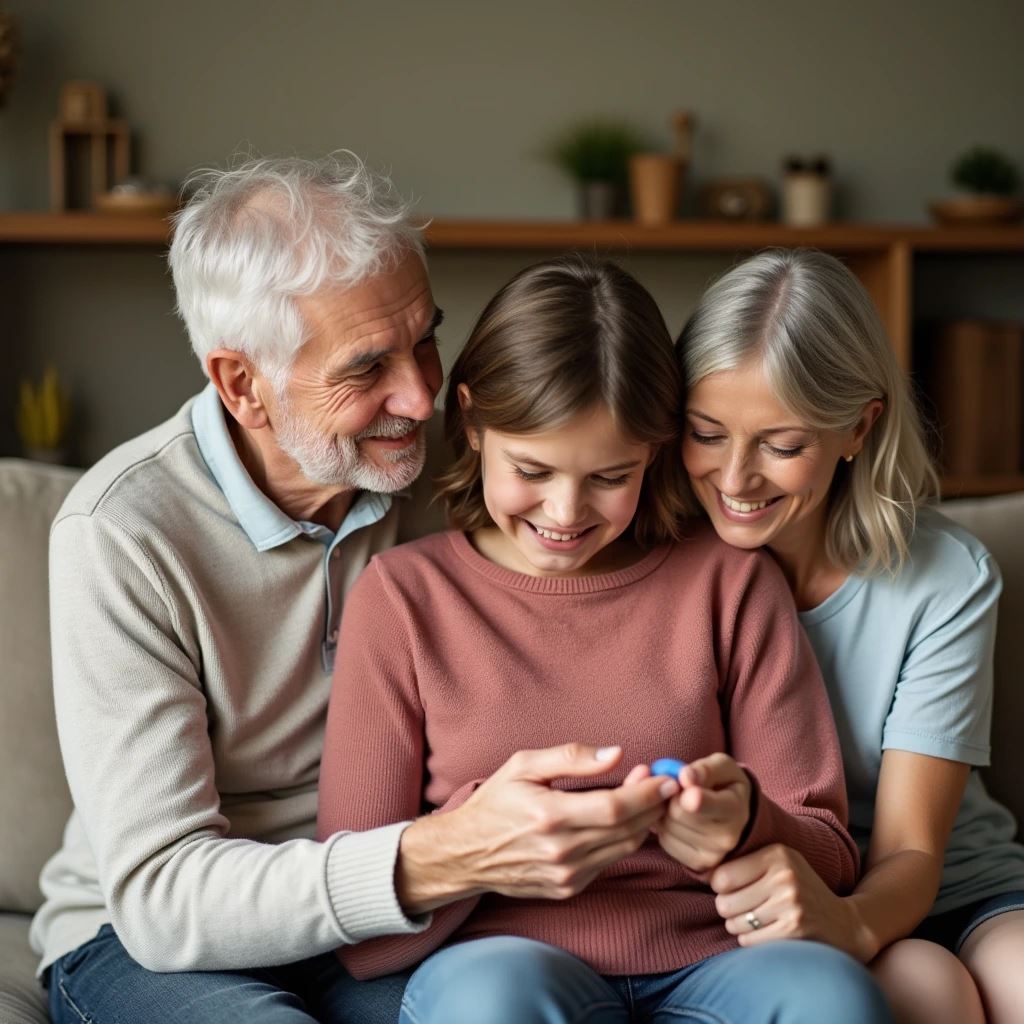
364 375
430 339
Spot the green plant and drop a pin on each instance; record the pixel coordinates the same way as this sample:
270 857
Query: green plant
985 170
596 150
44 412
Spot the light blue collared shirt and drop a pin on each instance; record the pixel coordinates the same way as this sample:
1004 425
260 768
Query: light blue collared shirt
266 525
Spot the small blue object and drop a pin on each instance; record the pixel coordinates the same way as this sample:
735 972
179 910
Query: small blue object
667 766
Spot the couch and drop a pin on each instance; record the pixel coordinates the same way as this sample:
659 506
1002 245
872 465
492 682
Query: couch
34 801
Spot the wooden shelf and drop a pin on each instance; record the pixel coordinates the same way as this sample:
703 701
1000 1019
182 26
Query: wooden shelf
684 236
693 236
83 229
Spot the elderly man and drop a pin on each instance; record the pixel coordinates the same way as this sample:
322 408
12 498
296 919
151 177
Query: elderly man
197 577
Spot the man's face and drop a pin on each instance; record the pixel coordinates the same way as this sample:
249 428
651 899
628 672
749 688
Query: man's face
352 410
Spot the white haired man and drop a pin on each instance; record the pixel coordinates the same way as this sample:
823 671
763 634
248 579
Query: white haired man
197 577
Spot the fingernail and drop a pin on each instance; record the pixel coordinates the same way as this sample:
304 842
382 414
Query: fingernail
668 788
605 753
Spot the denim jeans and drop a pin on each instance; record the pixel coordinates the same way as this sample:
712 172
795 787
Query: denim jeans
506 980
100 983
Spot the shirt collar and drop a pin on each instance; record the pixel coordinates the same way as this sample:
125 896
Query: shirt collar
264 523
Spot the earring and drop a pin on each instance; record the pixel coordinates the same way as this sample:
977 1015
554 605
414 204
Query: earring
849 458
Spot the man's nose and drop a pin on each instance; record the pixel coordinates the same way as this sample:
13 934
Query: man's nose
413 394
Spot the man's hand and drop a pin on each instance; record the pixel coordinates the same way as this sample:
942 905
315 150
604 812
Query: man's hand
777 889
519 837
704 822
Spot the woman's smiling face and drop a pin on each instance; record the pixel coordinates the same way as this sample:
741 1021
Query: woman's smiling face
762 474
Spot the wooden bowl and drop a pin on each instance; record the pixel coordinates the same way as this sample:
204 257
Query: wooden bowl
974 210
138 204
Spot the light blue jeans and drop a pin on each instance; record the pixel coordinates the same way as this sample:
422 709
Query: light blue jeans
99 983
507 980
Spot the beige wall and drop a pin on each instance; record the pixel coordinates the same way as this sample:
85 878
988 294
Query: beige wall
457 98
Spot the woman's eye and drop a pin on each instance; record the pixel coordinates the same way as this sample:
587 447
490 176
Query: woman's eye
523 475
611 481
705 438
785 453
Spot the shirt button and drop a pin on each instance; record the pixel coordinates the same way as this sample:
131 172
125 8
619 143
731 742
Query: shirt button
336 553
334 636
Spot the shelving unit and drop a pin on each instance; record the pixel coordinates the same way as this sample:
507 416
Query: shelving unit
881 255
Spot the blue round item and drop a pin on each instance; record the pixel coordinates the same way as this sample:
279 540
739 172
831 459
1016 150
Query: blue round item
667 766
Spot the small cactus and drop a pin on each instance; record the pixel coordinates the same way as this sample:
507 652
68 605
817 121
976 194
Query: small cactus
44 412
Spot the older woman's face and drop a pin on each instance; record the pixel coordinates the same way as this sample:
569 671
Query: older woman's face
761 474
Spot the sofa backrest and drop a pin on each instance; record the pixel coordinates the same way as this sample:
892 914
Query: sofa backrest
34 799
998 522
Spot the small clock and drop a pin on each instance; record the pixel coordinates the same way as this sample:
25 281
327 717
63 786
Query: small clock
736 199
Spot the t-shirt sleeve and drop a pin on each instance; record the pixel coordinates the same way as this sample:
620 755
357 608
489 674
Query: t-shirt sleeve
372 771
781 729
942 705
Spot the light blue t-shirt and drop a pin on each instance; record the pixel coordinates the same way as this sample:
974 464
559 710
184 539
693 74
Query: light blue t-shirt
908 666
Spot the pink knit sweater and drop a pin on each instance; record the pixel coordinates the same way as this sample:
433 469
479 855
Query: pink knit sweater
450 664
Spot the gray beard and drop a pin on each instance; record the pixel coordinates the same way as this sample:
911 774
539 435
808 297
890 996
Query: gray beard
338 461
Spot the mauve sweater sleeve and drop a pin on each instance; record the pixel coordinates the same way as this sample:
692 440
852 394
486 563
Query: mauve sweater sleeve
781 730
372 768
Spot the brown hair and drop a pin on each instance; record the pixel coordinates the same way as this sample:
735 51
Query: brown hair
559 338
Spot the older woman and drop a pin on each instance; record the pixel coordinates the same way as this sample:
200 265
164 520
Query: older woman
801 436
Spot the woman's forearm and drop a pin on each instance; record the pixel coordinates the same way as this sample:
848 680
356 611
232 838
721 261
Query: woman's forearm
892 898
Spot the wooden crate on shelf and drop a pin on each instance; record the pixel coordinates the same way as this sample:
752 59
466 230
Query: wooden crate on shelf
975 373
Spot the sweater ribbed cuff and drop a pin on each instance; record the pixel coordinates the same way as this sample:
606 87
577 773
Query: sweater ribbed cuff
361 884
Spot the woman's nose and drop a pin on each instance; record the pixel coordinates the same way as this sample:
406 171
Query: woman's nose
736 473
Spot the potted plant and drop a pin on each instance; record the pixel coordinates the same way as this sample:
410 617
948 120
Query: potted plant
44 414
987 181
595 154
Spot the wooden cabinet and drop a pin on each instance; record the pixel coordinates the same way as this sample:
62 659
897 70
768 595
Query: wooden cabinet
882 256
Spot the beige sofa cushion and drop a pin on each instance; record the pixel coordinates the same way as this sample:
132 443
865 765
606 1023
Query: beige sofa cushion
22 999
999 524
34 800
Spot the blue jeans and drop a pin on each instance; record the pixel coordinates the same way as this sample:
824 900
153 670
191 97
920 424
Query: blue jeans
953 928
100 983
506 980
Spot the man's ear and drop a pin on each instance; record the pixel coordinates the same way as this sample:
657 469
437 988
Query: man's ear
240 387
465 404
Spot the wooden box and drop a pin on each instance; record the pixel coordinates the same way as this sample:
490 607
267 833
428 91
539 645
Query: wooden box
976 379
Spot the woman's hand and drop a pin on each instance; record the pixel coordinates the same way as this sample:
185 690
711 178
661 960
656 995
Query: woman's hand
774 893
704 822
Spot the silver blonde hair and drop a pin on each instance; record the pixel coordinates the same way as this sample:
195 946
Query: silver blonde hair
826 355
254 237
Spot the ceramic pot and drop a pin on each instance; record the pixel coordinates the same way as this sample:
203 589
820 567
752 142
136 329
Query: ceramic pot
655 182
598 200
806 199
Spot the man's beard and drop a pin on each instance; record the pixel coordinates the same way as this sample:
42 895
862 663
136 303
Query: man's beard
338 462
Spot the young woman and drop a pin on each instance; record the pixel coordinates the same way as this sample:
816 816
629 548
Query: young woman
560 609
801 437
